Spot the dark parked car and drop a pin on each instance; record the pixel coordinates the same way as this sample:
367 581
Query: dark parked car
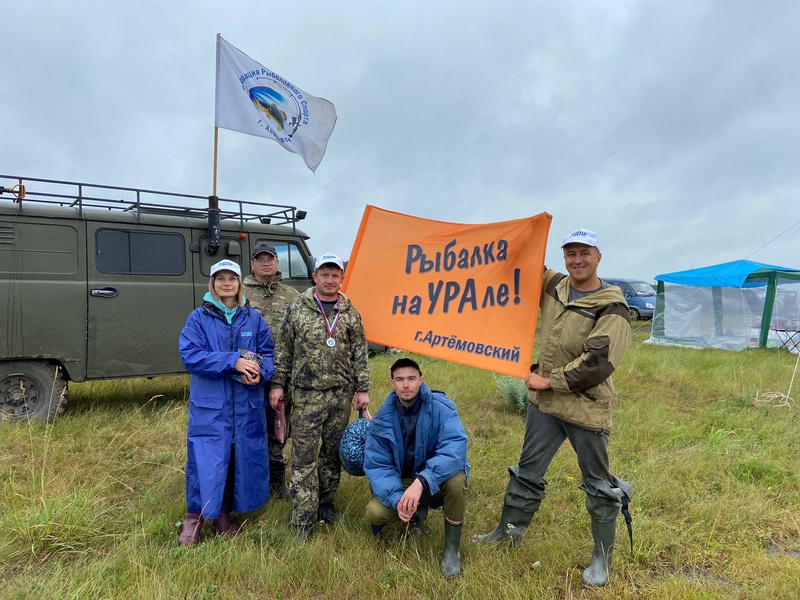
640 295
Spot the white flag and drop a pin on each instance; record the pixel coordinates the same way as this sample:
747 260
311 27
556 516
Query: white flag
252 99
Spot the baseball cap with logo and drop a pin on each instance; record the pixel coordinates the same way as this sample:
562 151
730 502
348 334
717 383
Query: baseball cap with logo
581 236
226 265
329 259
261 248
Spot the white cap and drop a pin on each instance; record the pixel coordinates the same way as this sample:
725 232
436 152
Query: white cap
226 265
329 259
581 236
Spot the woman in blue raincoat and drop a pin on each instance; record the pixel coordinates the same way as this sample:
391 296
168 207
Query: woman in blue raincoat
227 467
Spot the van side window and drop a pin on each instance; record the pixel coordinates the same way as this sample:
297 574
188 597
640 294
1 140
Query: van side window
292 263
121 252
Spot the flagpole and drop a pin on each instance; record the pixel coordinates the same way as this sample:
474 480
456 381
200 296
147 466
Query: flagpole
212 246
216 142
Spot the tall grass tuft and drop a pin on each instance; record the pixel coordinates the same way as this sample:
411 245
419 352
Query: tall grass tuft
514 390
57 526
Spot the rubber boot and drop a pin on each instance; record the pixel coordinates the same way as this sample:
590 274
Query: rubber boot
224 525
597 573
192 526
416 526
277 482
513 523
451 558
329 514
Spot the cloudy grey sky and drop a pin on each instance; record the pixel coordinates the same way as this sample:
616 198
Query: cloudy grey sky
671 128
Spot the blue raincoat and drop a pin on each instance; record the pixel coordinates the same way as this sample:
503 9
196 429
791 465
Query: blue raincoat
223 411
440 449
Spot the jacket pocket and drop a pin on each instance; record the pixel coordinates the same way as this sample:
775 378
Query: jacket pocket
207 401
257 401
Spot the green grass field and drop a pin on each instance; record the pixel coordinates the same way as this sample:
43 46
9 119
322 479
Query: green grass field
90 506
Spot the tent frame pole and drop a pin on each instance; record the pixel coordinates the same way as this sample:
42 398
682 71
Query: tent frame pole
769 304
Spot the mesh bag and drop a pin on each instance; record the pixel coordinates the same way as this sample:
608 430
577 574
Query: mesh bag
351 448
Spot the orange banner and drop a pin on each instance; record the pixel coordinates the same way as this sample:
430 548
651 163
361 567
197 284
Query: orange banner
468 294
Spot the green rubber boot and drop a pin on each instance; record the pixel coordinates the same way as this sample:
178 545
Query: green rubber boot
597 573
451 558
416 526
513 523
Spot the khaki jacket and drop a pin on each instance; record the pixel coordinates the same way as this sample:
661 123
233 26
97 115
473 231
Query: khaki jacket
582 343
270 300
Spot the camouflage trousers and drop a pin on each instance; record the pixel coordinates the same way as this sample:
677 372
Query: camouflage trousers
318 421
276 457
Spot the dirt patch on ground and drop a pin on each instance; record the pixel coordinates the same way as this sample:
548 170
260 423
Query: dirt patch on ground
788 548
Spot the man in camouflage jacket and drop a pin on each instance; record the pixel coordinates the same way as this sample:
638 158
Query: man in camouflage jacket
266 292
321 353
585 332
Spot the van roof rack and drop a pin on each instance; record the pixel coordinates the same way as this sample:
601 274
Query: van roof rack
142 201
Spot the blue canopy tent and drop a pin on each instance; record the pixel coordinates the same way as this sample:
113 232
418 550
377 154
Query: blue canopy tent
734 305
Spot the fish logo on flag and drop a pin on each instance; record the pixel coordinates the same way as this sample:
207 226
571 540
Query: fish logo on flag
255 100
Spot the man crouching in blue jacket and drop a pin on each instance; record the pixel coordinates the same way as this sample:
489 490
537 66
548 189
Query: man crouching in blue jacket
416 457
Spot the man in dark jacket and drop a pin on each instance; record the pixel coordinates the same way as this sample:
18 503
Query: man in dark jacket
585 332
415 456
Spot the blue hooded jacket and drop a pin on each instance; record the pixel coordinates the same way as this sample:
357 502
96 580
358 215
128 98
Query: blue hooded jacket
224 411
440 452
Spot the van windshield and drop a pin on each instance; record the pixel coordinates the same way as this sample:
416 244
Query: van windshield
642 288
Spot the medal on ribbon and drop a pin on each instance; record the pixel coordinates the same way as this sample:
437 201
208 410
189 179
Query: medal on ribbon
329 327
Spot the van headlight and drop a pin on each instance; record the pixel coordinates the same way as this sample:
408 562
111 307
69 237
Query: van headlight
648 305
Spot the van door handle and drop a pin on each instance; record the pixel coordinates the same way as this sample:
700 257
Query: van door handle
107 292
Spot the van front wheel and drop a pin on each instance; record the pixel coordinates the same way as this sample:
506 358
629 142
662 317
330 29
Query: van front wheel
635 316
31 389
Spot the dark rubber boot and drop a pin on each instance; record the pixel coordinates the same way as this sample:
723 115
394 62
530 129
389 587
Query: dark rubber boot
329 514
513 523
416 526
597 573
451 559
277 482
224 525
192 526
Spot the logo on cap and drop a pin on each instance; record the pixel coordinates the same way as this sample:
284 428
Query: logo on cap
226 265
329 259
581 236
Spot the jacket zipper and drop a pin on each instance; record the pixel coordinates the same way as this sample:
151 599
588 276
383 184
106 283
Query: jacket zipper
233 385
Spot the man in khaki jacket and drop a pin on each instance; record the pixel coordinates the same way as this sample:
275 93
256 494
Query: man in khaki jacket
585 332
269 295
